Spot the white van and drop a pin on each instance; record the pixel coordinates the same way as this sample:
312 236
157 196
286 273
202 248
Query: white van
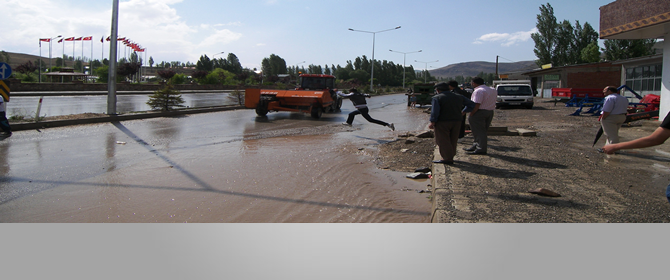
514 93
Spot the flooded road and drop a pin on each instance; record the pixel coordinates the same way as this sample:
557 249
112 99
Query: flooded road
68 105
215 167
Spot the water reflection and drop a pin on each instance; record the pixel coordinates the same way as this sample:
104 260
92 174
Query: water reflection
26 106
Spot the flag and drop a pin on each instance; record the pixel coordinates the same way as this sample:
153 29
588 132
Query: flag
108 39
60 41
89 38
70 39
78 39
120 39
45 40
102 39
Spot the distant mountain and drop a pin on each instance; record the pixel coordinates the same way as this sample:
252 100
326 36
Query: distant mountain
473 68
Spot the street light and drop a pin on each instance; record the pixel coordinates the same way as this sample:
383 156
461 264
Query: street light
425 75
50 49
217 54
403 64
372 73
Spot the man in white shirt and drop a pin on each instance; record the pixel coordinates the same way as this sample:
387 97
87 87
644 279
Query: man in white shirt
481 117
613 114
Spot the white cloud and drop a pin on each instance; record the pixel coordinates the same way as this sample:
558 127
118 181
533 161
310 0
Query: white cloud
506 38
153 24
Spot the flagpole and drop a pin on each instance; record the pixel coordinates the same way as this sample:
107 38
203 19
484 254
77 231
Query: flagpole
39 80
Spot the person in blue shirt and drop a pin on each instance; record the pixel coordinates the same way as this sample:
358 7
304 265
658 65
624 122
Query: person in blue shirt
4 123
447 113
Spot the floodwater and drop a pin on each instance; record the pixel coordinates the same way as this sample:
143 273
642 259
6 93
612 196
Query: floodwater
215 167
68 105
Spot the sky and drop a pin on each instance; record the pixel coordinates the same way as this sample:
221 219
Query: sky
299 31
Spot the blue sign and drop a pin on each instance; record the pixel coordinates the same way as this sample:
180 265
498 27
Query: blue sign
5 71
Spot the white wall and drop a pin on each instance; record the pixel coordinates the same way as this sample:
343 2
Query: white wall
665 90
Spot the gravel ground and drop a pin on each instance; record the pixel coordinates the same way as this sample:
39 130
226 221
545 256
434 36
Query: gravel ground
594 187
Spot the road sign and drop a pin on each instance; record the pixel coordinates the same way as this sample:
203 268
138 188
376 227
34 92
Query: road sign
5 71
4 90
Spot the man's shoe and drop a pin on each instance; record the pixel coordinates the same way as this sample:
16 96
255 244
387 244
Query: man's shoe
473 148
447 162
392 126
5 134
476 152
346 123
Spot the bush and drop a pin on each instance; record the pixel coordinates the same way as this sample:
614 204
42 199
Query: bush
166 99
178 79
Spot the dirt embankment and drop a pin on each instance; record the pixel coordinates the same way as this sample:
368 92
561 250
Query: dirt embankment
594 187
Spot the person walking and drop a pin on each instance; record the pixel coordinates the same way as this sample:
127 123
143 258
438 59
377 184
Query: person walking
447 112
453 86
4 123
358 99
613 114
481 116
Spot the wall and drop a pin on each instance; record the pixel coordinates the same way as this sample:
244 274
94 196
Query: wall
594 79
17 86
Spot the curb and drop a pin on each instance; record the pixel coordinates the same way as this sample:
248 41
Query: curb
117 118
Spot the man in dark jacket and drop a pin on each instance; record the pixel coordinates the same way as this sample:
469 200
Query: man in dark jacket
446 116
361 108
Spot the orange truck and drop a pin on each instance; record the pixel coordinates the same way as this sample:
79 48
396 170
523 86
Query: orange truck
315 95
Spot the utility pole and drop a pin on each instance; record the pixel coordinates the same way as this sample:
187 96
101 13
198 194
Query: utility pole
497 77
111 82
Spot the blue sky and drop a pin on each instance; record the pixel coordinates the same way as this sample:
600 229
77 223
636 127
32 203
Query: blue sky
315 32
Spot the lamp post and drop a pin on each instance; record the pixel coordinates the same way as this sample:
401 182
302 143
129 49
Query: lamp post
425 75
404 55
50 49
372 72
217 54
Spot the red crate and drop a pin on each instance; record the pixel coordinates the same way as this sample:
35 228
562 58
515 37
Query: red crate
576 92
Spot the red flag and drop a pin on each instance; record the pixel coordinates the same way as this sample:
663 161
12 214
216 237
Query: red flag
89 38
60 41
45 40
108 39
70 39
102 39
78 39
120 39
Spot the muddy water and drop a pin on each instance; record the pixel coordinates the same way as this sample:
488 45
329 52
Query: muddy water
178 170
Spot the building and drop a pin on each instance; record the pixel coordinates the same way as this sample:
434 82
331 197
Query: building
641 19
590 75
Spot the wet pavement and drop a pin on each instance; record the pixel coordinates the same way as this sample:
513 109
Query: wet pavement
214 167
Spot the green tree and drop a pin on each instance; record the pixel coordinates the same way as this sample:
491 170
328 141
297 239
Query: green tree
273 66
4 57
584 37
166 99
591 53
545 38
204 64
625 49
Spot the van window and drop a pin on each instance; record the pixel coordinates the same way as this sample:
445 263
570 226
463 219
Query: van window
514 90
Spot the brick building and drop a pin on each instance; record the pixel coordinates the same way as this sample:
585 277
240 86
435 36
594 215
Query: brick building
591 75
642 19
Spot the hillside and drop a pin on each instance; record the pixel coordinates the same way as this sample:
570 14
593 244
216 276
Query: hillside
473 68
16 59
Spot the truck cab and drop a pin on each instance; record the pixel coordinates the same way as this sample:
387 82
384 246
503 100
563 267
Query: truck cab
514 93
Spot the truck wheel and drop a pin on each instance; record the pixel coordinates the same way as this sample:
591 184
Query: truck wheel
262 108
337 105
316 112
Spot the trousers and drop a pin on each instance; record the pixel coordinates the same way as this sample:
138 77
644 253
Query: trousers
446 138
611 126
364 112
480 122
